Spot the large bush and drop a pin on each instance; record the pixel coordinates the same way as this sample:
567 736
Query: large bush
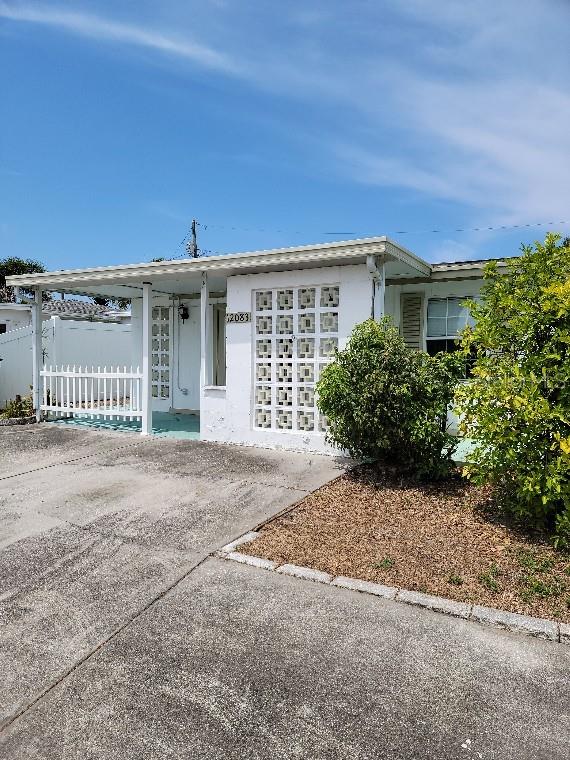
386 402
516 408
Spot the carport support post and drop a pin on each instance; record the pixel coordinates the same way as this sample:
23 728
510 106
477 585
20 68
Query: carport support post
204 319
146 428
37 351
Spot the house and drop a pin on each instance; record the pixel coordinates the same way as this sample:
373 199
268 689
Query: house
239 340
13 316
73 332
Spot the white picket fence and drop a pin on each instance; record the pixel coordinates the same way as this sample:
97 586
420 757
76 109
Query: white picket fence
111 393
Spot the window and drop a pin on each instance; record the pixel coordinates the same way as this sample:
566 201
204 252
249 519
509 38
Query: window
446 317
2 328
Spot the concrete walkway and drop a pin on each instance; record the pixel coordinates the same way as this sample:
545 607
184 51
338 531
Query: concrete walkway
119 639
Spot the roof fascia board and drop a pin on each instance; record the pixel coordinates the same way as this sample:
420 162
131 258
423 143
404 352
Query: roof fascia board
232 263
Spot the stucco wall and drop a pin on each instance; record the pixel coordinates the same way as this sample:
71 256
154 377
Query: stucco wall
230 419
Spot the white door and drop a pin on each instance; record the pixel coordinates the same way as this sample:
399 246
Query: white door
161 357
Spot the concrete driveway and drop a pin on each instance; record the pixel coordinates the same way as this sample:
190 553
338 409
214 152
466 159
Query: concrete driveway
120 638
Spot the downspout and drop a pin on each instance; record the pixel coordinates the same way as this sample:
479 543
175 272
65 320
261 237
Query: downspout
376 269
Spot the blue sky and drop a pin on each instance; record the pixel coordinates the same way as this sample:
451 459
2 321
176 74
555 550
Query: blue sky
277 123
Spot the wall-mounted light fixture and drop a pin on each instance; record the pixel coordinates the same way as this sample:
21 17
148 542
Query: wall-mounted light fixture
183 312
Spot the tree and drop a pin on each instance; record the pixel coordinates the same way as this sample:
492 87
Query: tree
516 408
386 402
13 265
112 303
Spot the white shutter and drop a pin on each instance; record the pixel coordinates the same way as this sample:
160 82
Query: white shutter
411 326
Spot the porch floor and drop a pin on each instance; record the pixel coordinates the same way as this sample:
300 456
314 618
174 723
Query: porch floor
165 424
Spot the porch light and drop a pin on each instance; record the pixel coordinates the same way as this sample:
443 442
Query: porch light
183 312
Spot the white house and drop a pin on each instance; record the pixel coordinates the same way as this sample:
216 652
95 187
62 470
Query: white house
239 340
14 316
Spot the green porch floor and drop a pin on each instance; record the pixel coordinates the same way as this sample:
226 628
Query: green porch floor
165 424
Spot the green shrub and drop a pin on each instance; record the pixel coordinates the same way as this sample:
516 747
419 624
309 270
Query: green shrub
388 403
18 407
516 407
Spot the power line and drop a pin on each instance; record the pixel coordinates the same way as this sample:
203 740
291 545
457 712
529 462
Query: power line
189 241
448 230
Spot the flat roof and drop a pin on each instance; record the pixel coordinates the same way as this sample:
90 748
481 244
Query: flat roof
183 275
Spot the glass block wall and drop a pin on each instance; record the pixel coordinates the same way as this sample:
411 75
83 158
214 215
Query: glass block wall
295 335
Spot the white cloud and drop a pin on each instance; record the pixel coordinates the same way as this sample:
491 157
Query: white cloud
466 102
88 25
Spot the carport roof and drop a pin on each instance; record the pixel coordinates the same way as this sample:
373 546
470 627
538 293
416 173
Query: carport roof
184 276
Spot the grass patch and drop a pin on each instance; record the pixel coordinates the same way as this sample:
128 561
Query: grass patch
385 564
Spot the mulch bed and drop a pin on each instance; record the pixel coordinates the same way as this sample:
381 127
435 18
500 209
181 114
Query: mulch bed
444 539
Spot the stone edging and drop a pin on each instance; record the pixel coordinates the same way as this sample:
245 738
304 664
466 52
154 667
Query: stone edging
4 422
532 626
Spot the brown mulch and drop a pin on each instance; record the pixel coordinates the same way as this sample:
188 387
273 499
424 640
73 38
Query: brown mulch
444 539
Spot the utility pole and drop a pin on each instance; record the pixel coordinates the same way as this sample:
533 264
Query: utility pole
192 245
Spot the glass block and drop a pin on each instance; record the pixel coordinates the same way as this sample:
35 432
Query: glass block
263 300
164 329
262 418
284 348
306 298
155 312
165 345
155 329
285 324
329 321
263 371
164 391
305 420
306 397
306 348
305 373
285 419
284 300
155 391
328 346
307 322
165 313
264 324
263 349
284 372
263 395
165 376
155 344
330 296
284 395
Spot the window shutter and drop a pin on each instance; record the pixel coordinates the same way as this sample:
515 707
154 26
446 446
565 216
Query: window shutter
412 319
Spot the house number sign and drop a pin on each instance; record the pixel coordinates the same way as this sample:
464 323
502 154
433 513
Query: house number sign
238 316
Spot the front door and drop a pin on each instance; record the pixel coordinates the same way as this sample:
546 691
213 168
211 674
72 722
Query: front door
161 357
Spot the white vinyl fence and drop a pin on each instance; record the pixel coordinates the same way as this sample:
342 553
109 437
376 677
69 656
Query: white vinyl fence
64 342
110 393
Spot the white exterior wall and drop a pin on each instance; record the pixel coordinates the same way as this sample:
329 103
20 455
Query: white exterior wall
15 318
226 415
64 341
